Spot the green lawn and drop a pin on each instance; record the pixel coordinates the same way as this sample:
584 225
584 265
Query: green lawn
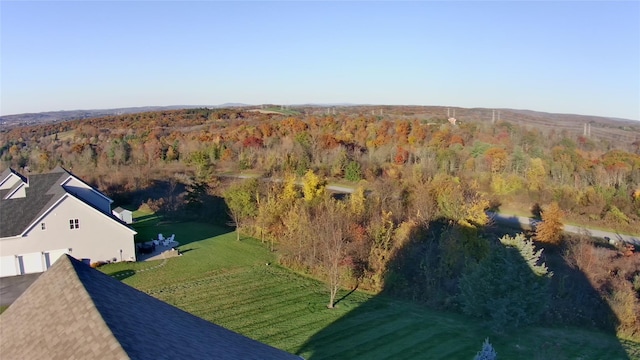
283 111
229 283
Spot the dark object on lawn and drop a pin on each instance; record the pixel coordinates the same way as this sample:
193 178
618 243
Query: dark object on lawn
146 249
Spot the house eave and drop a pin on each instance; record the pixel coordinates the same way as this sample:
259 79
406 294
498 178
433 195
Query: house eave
71 176
44 214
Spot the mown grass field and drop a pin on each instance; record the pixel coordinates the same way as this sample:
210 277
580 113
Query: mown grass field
229 283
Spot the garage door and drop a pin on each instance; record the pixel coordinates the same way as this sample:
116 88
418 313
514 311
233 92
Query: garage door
31 263
8 266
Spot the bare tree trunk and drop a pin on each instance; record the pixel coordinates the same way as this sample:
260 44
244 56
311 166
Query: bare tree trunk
334 282
331 229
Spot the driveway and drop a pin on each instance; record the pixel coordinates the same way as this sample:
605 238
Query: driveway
13 286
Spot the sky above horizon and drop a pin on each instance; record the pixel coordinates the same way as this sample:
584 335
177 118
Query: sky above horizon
579 57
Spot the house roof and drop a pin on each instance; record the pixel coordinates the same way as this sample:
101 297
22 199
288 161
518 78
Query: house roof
17 214
43 192
9 171
120 210
73 311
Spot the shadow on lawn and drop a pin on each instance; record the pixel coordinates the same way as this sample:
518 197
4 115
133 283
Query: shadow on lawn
185 232
141 219
180 209
376 330
122 274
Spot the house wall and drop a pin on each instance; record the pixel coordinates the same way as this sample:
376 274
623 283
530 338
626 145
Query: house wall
97 238
9 181
127 217
20 192
87 193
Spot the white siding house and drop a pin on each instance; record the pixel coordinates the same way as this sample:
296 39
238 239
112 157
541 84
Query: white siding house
57 213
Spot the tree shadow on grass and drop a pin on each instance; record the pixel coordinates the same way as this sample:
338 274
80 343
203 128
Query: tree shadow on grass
418 314
345 295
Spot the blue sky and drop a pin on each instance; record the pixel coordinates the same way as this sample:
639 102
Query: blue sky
567 57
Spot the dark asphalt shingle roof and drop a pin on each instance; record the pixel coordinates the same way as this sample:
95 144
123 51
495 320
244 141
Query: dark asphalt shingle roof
75 312
42 193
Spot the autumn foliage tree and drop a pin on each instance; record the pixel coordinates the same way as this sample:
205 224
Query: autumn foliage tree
313 187
242 202
550 229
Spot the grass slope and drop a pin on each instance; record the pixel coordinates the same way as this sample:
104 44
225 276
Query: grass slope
229 283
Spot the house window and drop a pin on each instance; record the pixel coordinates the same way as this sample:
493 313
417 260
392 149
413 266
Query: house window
43 226
74 224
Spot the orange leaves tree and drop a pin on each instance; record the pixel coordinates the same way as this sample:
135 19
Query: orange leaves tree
550 229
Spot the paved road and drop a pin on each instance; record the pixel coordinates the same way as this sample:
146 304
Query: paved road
528 223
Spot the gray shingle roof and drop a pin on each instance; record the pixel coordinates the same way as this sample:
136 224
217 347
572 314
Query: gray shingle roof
75 312
119 209
17 214
43 191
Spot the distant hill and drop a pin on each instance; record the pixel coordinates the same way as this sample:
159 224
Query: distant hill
64 115
604 128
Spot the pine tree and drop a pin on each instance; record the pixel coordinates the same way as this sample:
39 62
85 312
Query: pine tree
528 252
487 352
509 288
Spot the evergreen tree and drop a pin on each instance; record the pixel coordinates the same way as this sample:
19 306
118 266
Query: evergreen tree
509 288
487 352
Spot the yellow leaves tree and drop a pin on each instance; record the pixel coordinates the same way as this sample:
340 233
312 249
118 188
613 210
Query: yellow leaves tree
504 185
290 191
462 203
357 202
550 229
475 215
536 174
312 186
381 231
